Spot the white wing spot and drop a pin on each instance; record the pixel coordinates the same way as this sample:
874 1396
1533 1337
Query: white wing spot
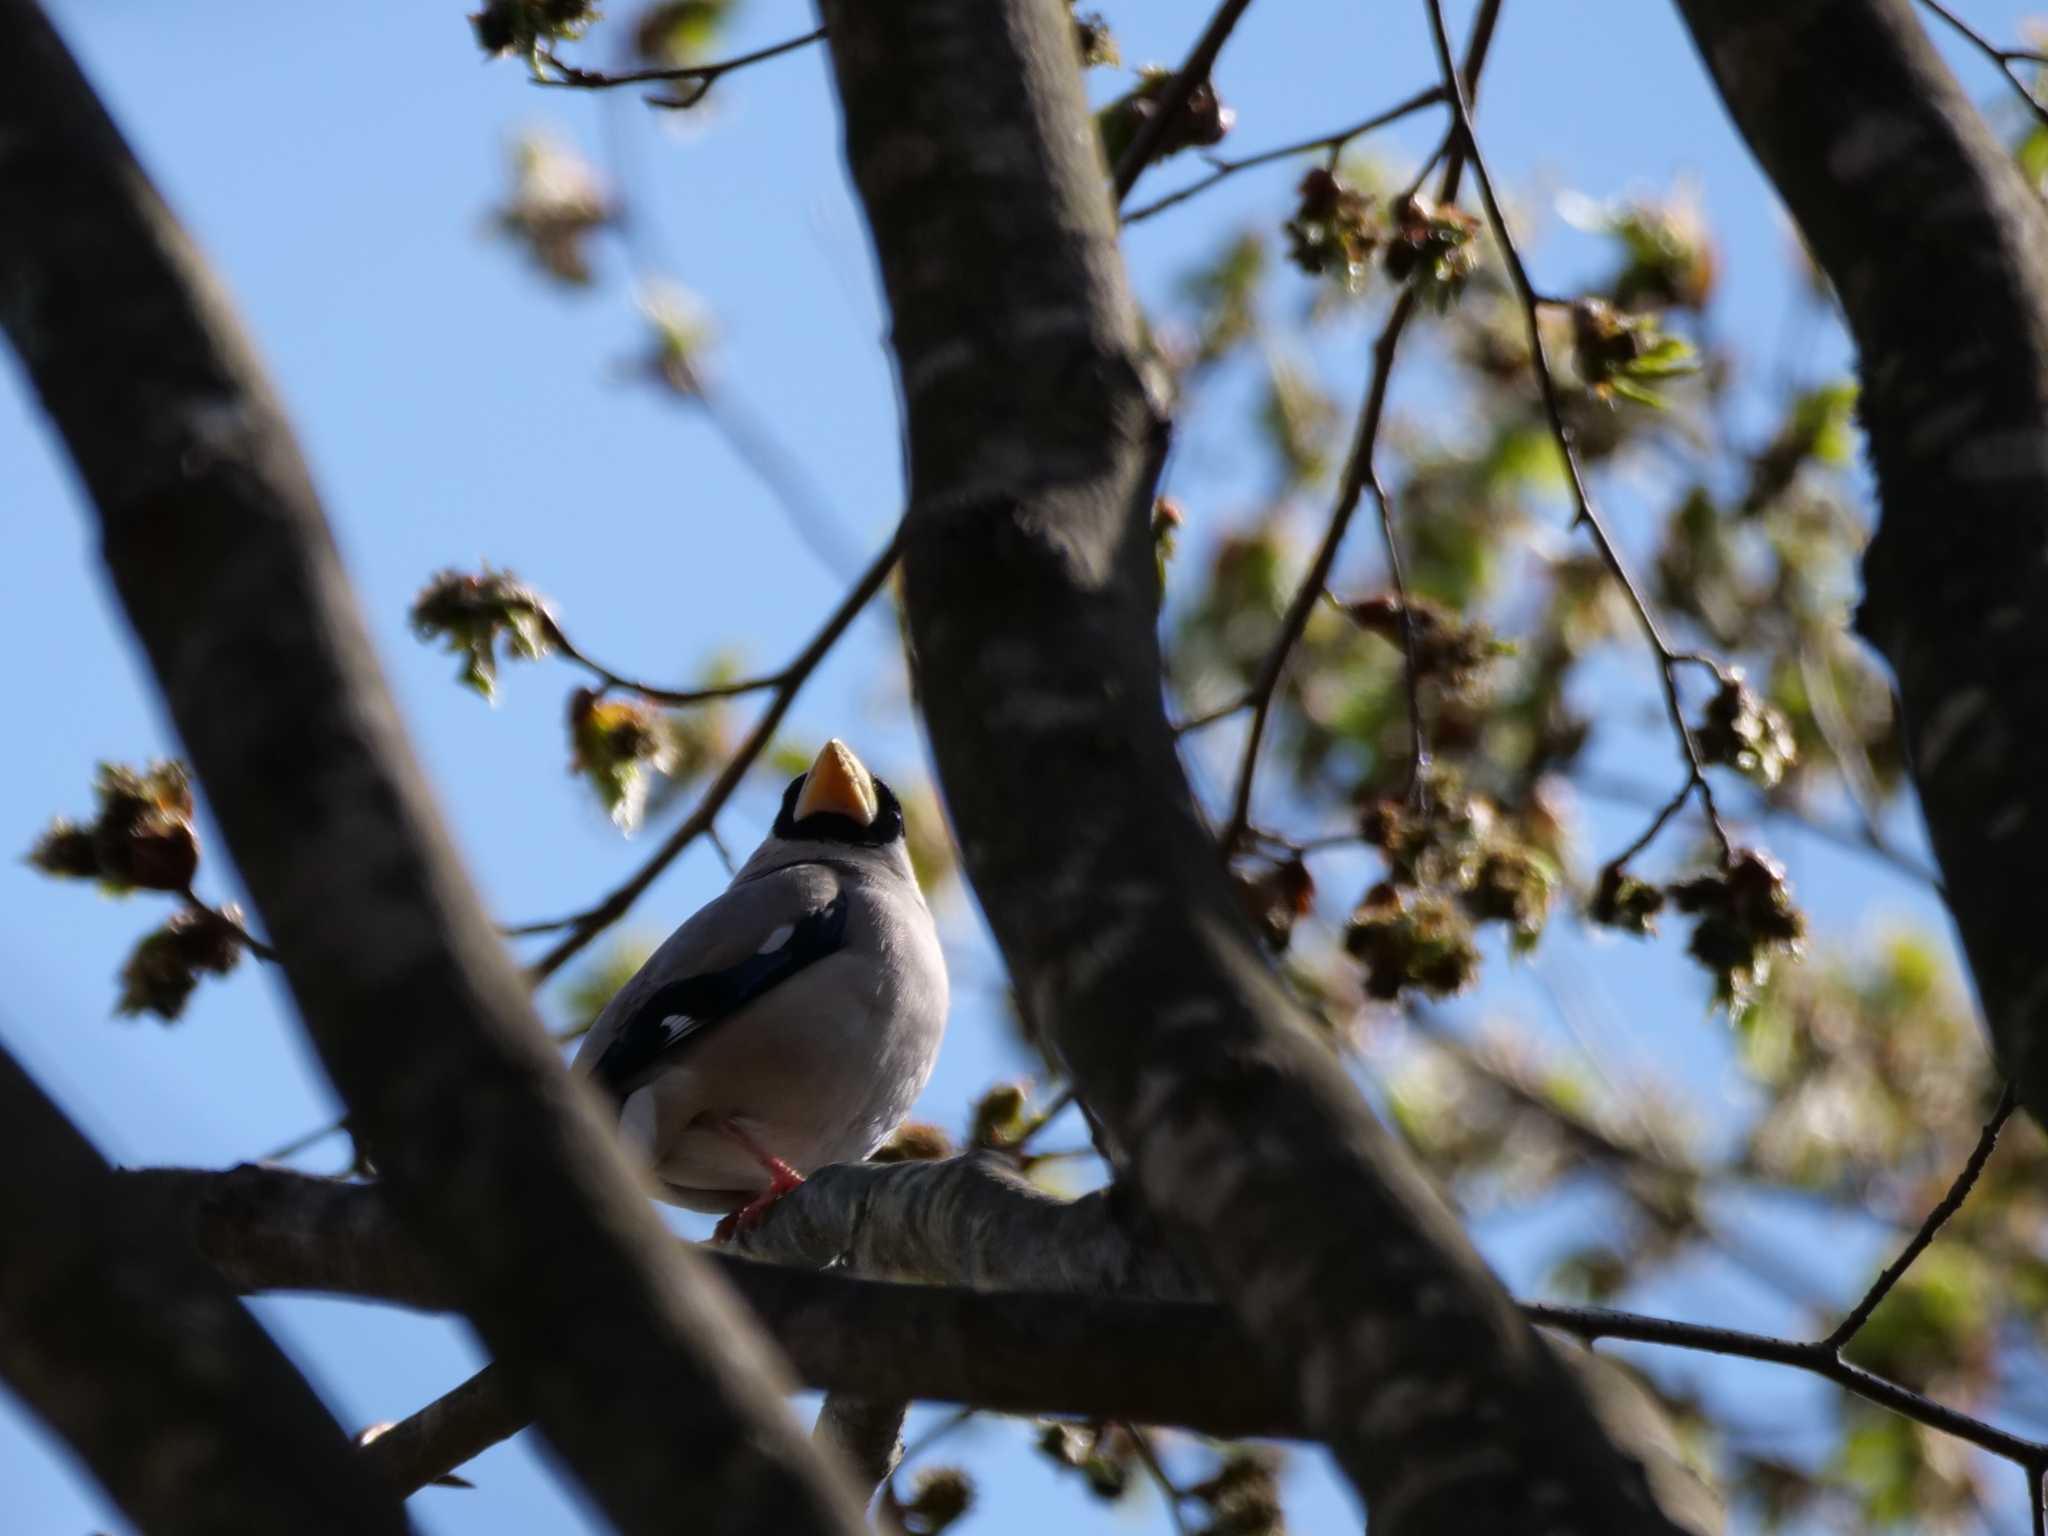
777 939
675 1026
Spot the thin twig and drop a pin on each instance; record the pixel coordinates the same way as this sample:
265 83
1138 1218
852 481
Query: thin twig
587 925
1668 660
1223 168
233 924
1171 102
1169 1490
2004 58
1209 717
1357 471
1358 474
755 445
2037 1501
1850 840
654 693
703 76
1951 1202
299 1144
1590 1323
718 846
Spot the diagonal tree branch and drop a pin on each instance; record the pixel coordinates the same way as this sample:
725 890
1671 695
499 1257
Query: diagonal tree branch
1938 250
1030 585
111 1331
644 1374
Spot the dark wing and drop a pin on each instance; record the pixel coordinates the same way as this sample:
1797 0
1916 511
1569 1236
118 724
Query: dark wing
680 1010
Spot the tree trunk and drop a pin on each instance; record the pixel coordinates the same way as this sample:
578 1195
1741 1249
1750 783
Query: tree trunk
1030 586
654 1385
126 1345
1938 251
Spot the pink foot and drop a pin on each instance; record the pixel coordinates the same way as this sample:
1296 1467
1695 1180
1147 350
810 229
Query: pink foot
781 1180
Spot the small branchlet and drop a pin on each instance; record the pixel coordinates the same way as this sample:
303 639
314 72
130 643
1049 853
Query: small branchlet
1202 122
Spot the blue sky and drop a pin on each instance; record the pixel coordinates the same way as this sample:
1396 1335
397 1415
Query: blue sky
338 164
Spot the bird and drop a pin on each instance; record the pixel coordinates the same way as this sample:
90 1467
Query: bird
791 1022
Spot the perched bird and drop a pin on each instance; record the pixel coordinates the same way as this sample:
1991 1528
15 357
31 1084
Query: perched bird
791 1023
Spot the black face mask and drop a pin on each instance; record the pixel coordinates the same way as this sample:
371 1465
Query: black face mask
832 827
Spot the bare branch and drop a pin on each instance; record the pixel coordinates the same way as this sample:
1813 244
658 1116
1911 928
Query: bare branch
647 1377
2004 58
1173 101
1950 1203
1359 473
1025 1304
702 76
169 1392
1590 1323
587 925
1668 660
1332 143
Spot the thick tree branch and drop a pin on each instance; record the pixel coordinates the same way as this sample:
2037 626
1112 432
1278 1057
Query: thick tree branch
646 1376
1157 1352
1030 585
133 1351
1938 250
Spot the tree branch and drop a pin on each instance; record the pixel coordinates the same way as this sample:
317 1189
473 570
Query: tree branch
1011 1313
1938 250
1173 101
1360 472
1030 585
644 1373
1553 409
702 76
1333 143
2004 58
177 1401
1950 1203
587 925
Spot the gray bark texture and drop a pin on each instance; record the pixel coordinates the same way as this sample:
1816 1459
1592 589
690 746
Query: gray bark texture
123 1342
1109 1329
1938 251
655 1387
1030 588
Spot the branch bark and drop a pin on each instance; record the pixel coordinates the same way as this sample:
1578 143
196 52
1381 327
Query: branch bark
1030 587
1022 1338
1938 251
653 1385
999 1323
112 1332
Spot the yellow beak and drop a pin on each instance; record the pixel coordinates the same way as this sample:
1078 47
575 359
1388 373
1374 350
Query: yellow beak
838 782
